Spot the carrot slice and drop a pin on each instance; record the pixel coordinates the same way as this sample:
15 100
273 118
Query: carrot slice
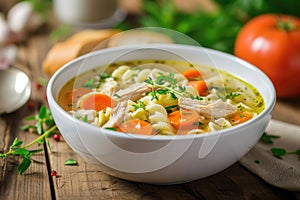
184 119
200 86
192 74
96 101
136 126
241 117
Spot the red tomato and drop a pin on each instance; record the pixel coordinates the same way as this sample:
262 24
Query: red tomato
272 43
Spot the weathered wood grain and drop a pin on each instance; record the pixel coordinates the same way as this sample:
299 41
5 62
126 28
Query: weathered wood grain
85 181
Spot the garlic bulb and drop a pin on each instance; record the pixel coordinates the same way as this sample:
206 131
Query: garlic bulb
6 35
22 18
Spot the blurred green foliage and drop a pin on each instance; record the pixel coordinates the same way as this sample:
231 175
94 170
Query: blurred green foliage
218 29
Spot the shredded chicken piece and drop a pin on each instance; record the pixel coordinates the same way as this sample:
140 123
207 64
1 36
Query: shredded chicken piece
134 92
213 109
108 87
117 115
88 114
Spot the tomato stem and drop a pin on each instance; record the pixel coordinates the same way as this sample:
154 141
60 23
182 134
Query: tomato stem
285 25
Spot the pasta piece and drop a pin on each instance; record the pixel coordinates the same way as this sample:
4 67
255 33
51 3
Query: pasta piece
219 124
195 131
128 76
142 75
146 100
103 116
165 100
158 117
140 113
117 73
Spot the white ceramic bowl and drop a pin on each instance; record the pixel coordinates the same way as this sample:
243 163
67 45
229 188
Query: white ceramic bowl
161 159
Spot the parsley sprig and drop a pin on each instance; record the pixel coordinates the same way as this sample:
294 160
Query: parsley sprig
44 121
44 126
139 104
165 84
277 152
268 138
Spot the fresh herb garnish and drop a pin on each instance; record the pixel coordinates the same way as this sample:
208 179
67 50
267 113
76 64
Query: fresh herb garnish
84 119
170 109
103 76
111 128
232 95
118 96
139 104
70 162
23 152
44 121
268 139
44 126
165 85
279 152
89 83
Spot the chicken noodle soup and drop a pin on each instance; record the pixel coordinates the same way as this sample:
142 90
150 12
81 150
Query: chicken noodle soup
160 97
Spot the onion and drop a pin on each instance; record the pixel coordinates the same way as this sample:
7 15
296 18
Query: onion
22 18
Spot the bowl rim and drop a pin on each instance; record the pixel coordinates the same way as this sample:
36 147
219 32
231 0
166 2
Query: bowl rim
269 106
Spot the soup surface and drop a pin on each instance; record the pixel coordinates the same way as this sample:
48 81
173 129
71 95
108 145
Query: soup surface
160 97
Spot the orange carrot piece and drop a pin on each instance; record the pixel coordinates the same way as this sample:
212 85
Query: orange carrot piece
136 126
200 86
192 74
96 101
184 119
242 117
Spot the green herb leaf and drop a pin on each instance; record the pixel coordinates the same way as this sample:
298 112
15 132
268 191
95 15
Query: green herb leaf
42 112
104 76
278 152
111 128
149 81
23 166
232 95
139 105
26 127
30 118
169 109
267 138
70 162
42 81
39 127
35 151
89 84
16 143
21 152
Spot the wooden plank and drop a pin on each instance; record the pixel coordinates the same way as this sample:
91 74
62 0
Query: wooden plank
34 183
86 181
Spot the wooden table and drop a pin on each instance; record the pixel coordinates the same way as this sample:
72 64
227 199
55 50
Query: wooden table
85 181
